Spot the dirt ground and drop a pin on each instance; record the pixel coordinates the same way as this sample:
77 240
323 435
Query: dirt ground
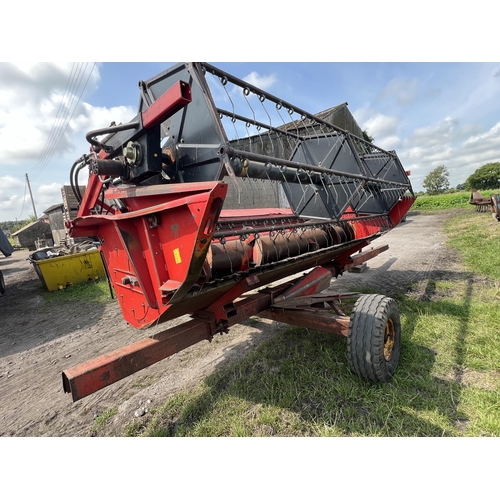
38 342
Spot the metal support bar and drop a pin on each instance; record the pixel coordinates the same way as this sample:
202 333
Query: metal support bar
314 319
91 376
315 301
316 281
361 257
232 152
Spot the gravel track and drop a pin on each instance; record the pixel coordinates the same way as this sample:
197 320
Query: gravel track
38 341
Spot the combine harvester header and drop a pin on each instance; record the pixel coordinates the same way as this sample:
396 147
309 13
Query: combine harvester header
175 200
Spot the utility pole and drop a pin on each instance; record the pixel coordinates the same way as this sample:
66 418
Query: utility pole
31 195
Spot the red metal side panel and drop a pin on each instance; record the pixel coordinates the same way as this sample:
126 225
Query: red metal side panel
155 253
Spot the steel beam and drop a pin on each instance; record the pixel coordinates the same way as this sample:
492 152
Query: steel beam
91 376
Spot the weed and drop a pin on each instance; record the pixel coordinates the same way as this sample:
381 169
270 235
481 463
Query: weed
101 421
89 291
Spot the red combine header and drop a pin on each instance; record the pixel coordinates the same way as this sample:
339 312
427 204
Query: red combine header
199 207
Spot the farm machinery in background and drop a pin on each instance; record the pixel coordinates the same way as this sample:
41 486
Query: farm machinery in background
157 203
484 204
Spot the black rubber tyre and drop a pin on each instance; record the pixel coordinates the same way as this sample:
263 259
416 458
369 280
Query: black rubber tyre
2 284
374 338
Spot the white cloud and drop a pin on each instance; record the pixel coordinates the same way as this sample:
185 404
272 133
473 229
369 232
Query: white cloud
436 134
38 101
47 195
262 82
11 197
449 144
383 128
389 143
42 130
7 185
381 125
402 90
94 117
491 137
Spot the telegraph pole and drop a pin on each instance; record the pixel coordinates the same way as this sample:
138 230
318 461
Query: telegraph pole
31 195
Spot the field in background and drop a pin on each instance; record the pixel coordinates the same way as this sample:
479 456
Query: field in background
446 201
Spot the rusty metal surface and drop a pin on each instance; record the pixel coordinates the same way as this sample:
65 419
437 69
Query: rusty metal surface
317 280
314 319
481 203
317 300
365 256
93 375
315 311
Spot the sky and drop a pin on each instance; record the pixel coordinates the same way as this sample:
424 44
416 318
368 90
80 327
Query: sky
430 113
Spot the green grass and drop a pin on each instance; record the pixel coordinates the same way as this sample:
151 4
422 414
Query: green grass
299 384
101 420
477 237
447 201
89 291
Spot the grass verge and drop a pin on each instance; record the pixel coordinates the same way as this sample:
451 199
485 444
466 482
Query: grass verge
476 236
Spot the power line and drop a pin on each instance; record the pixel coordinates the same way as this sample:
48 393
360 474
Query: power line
55 124
58 118
70 109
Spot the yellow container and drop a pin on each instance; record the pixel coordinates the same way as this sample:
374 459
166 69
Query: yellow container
57 273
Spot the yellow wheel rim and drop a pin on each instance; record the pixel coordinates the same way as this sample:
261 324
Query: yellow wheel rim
389 339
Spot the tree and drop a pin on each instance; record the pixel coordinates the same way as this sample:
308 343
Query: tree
364 149
15 225
437 181
367 137
486 177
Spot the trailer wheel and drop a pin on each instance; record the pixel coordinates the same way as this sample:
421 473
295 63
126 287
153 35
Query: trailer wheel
2 284
374 338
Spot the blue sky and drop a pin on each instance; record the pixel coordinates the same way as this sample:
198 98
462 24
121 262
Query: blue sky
431 113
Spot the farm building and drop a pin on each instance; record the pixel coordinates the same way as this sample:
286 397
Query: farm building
28 235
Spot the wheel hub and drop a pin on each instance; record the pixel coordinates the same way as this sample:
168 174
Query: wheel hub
389 339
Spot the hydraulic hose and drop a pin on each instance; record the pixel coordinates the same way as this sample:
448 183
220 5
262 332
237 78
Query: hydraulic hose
73 178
